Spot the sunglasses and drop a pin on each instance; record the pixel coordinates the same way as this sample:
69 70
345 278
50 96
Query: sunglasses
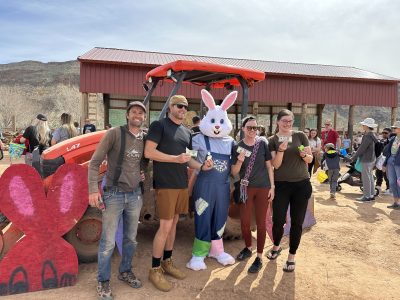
327 124
180 106
385 132
253 128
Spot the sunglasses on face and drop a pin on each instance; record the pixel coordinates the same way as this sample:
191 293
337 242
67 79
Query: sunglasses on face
180 106
287 121
385 132
252 128
327 124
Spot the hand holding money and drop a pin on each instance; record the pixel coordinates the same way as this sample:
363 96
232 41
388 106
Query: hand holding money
241 156
192 153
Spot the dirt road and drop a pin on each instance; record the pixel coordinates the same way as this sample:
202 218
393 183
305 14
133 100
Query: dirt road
352 253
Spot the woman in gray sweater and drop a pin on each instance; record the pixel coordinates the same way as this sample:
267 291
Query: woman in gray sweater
366 154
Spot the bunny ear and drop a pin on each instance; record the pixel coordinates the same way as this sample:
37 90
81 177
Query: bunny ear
67 196
229 100
22 198
208 99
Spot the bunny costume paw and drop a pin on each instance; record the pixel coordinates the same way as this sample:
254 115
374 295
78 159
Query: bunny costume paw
224 258
196 263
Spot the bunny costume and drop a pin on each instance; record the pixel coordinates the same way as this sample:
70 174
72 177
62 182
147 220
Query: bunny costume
211 192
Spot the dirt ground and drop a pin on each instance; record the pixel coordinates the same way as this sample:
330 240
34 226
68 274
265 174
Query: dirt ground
351 253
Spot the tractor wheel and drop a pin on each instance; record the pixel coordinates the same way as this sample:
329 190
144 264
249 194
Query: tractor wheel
85 236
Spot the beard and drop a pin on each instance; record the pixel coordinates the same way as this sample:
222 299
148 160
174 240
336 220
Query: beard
135 123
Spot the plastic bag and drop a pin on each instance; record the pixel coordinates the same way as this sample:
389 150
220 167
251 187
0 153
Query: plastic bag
379 162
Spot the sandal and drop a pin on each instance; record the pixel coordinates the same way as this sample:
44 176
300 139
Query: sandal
273 254
286 267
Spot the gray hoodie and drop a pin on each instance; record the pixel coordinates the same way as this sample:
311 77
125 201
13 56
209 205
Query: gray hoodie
366 151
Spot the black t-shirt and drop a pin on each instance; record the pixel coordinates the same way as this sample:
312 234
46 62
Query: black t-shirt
89 128
259 174
172 139
30 135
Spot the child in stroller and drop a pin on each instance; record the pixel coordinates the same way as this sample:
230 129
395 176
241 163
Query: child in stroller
352 177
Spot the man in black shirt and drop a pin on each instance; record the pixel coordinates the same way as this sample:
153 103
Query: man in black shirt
166 145
88 127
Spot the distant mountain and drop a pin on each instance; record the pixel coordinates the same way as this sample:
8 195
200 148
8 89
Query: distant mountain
36 73
31 87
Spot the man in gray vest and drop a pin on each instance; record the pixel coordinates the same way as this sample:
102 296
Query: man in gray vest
122 195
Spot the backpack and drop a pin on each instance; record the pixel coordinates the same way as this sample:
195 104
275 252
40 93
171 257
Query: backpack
378 148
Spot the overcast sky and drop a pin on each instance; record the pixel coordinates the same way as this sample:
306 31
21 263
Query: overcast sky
363 33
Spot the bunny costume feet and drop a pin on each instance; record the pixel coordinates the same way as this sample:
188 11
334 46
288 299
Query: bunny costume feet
217 252
196 263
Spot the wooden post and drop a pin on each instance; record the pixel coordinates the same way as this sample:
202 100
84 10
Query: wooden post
255 109
303 117
393 116
335 119
271 118
350 125
106 102
320 108
84 109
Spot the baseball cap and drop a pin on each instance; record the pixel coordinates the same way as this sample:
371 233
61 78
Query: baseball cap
41 117
178 99
135 103
330 146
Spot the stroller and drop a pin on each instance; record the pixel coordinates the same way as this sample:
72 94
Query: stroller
352 177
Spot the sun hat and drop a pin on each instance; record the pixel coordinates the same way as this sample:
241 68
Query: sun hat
369 122
396 124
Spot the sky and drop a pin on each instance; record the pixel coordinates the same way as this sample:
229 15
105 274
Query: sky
362 33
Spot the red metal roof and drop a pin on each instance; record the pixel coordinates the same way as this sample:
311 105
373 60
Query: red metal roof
143 58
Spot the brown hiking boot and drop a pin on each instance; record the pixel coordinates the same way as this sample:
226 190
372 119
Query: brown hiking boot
170 269
157 278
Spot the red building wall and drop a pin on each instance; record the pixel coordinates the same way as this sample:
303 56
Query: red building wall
276 89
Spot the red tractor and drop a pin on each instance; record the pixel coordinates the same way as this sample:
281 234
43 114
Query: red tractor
85 235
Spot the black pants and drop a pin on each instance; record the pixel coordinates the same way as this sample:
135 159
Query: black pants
296 194
380 175
311 165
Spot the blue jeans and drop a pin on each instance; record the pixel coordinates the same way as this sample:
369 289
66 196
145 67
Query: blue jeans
393 174
118 204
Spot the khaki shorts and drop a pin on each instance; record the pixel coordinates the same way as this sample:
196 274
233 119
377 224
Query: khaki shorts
171 202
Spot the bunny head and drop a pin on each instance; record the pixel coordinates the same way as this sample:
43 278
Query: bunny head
216 122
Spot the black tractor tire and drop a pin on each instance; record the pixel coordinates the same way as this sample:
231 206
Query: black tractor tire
85 236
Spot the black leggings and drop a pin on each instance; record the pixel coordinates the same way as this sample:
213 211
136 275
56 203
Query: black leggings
296 194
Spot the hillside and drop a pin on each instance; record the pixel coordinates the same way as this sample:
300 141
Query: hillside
30 87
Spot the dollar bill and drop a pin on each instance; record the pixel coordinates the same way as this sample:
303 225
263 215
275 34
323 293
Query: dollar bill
193 153
240 150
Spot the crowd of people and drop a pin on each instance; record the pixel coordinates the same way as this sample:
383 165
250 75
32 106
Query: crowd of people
274 173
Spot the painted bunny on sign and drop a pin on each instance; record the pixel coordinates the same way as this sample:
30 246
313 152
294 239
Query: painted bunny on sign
42 259
211 192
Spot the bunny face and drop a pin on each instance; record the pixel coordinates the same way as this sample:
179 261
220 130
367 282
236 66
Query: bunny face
216 122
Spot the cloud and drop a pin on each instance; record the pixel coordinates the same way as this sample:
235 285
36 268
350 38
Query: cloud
353 33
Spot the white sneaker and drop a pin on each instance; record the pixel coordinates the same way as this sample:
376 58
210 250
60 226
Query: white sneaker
387 192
